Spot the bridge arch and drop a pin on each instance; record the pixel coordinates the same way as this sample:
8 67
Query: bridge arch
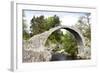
73 30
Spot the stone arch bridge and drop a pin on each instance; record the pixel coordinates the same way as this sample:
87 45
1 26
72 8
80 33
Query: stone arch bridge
37 42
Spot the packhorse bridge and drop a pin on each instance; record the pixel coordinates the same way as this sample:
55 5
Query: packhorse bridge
34 49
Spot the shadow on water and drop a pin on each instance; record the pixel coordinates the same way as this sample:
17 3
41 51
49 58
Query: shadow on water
62 57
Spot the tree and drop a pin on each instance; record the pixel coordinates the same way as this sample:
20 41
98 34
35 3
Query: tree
40 24
84 26
24 26
69 44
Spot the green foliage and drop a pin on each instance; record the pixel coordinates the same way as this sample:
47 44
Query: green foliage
70 44
37 25
26 35
64 42
84 27
40 24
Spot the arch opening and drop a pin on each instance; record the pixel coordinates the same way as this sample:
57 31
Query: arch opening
77 40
